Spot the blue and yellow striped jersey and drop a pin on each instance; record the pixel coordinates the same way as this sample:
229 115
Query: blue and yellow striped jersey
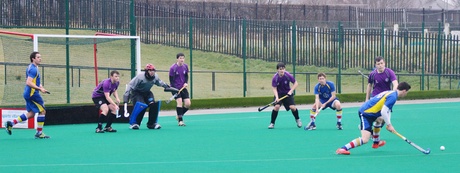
32 71
373 106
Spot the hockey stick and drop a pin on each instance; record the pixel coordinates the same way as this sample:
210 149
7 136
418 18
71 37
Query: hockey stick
117 115
272 103
317 112
427 151
359 71
174 96
126 114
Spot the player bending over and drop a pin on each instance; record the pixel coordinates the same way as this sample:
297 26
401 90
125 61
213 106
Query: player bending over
107 106
378 106
325 96
138 91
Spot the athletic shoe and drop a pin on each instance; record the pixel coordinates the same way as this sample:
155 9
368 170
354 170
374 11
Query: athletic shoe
154 126
271 126
8 127
342 151
109 129
181 123
134 127
339 125
99 130
41 136
299 123
310 126
376 145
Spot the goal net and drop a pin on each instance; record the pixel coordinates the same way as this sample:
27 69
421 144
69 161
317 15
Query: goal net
71 67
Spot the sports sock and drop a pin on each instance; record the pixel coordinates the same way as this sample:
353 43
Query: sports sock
180 113
339 115
354 143
274 115
21 118
110 117
40 123
100 121
296 114
185 110
376 134
312 115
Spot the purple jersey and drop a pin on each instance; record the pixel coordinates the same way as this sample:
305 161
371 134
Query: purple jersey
381 81
282 83
178 74
103 87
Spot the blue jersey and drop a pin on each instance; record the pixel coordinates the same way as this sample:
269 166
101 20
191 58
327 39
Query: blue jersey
373 106
324 91
32 71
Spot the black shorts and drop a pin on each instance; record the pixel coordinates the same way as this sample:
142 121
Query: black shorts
99 101
183 94
288 101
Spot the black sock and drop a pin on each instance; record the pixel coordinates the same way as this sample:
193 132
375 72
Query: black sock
274 115
185 110
180 113
100 121
296 114
110 117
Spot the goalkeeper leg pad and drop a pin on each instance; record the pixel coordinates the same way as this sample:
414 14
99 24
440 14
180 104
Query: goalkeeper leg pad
139 107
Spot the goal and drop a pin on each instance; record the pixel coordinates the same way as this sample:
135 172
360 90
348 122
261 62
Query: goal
72 65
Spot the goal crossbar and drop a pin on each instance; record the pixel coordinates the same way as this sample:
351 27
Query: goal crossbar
36 37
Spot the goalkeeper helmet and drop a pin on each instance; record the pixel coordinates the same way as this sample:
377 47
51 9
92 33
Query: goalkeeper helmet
149 67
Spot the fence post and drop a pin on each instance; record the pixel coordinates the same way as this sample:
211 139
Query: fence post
190 43
213 83
294 46
243 40
5 74
339 55
422 86
132 29
439 55
382 40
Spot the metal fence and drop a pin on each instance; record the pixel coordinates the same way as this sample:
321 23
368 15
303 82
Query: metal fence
336 37
115 14
219 28
431 51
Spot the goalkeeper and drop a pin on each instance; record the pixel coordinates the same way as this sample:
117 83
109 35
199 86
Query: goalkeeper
138 91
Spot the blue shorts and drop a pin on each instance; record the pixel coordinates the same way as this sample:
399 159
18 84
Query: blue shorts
35 103
329 105
366 122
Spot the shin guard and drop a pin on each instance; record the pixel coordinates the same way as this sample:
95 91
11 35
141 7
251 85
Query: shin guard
138 108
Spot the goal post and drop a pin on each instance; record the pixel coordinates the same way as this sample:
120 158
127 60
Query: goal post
68 60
